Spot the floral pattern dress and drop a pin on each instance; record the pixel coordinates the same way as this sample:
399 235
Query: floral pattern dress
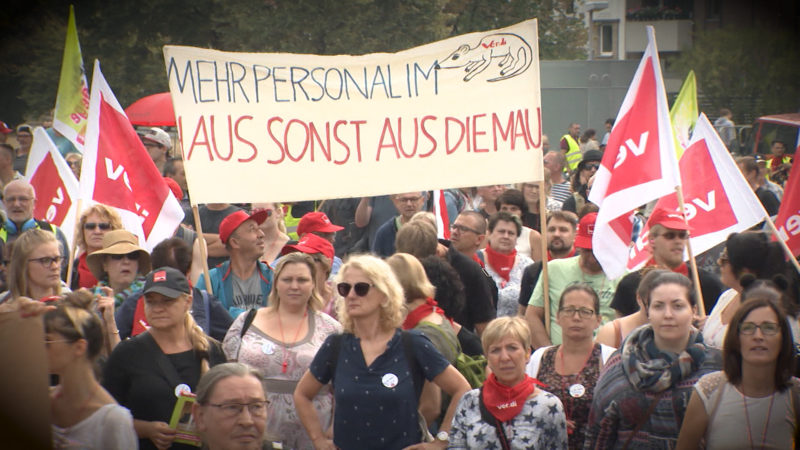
578 403
267 354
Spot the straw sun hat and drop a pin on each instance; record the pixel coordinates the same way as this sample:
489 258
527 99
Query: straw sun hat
117 242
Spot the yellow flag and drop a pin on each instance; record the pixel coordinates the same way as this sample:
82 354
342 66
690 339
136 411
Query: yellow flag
684 113
72 102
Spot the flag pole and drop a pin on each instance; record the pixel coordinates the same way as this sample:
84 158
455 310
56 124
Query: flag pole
784 245
74 248
545 280
199 227
701 308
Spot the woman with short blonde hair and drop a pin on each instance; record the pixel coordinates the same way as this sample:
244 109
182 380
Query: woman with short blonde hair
95 222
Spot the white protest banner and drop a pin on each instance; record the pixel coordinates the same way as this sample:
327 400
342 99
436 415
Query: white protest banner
460 112
717 199
55 184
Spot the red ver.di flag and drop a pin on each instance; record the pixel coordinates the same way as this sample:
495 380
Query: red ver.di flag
55 185
118 172
638 165
714 209
788 219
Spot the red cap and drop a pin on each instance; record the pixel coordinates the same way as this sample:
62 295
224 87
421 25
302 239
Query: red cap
668 219
583 237
173 186
311 244
4 128
316 221
233 221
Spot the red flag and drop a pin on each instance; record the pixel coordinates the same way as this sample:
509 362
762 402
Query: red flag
55 184
714 209
638 165
788 220
117 170
440 212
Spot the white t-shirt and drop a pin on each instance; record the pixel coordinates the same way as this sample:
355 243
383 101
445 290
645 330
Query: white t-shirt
109 427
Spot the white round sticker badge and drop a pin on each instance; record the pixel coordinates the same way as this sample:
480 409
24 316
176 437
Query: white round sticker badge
268 348
577 390
182 388
389 380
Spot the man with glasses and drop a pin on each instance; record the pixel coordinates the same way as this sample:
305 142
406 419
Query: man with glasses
564 272
19 199
406 205
667 241
243 282
25 139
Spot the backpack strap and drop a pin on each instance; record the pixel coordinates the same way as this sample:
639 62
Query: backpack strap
207 310
487 417
643 419
248 320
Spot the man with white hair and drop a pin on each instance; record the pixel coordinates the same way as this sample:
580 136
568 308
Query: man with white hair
158 144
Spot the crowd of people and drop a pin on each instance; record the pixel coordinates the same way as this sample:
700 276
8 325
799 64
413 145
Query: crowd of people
346 323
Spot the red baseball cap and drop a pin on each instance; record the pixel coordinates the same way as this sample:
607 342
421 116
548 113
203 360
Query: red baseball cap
4 128
583 238
316 221
668 219
233 221
311 244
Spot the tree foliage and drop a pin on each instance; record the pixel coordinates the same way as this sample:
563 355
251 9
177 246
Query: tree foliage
127 37
751 70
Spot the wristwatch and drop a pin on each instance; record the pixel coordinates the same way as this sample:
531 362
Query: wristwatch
442 436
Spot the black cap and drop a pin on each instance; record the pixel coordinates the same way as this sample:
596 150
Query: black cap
168 282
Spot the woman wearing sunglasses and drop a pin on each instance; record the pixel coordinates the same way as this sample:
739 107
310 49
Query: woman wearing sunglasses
376 369
281 341
579 181
84 415
753 401
641 396
95 222
570 370
34 267
148 372
120 265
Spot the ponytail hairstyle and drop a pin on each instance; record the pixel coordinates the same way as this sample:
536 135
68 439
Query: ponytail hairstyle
196 335
75 319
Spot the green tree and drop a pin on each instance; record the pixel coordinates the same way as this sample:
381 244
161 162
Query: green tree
749 70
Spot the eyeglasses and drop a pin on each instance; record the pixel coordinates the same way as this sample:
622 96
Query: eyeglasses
670 235
256 409
360 289
91 226
591 166
47 261
463 229
584 313
49 342
132 256
767 328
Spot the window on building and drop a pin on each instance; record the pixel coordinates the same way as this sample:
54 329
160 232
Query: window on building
606 40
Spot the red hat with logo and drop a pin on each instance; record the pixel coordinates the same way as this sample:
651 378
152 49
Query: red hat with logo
311 244
233 221
583 237
668 219
316 221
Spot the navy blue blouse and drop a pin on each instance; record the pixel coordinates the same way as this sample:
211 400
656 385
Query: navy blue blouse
376 406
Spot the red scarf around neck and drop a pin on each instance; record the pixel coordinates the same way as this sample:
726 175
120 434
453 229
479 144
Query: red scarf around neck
501 263
505 402
478 260
683 269
422 311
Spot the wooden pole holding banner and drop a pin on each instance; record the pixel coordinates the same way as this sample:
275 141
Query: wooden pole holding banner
543 276
71 251
784 245
701 308
199 227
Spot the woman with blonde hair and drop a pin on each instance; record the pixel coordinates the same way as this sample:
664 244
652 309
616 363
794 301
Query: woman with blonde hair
274 229
509 411
281 340
83 413
34 268
95 222
148 373
377 369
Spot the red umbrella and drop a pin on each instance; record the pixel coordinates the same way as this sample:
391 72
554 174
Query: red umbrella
154 111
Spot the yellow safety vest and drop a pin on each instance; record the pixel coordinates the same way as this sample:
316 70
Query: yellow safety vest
291 223
574 155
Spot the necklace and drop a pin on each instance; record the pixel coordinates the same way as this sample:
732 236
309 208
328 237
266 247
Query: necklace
285 363
766 425
574 391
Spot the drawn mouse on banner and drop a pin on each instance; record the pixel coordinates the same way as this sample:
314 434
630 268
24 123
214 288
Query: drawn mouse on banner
514 53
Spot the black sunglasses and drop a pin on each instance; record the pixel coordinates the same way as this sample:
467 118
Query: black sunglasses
360 289
133 256
91 226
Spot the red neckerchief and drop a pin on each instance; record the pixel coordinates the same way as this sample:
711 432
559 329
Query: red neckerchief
478 260
501 263
568 255
504 402
683 269
420 312
86 278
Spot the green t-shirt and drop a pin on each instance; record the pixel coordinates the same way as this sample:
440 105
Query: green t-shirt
562 273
